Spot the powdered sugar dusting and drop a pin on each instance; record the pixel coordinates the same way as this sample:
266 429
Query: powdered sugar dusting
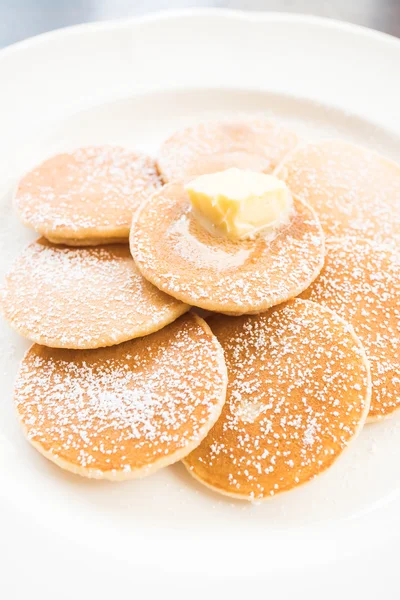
302 369
255 144
93 188
244 276
83 297
191 249
361 282
123 408
353 190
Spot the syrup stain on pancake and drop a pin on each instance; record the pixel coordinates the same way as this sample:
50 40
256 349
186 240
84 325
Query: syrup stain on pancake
257 145
180 257
353 190
298 393
83 297
361 282
87 196
125 411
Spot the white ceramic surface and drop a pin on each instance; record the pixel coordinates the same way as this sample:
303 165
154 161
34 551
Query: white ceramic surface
133 82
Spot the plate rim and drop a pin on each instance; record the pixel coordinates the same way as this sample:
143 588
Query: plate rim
173 14
165 16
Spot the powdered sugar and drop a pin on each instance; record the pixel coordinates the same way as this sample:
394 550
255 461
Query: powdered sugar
123 408
83 297
173 251
303 371
192 250
91 191
361 282
353 190
255 144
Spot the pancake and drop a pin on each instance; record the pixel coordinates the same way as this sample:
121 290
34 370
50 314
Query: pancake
180 257
353 190
86 197
257 145
361 282
83 297
298 393
126 411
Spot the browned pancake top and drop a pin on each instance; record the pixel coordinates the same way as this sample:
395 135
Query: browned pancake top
123 409
83 297
258 145
353 190
298 392
89 193
361 282
179 256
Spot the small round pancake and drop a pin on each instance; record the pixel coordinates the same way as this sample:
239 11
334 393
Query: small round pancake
86 197
353 190
298 393
258 145
180 257
361 282
83 297
126 411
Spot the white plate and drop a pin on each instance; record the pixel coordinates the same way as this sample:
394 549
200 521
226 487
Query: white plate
133 82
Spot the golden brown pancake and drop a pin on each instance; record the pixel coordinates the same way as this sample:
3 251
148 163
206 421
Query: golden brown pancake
83 297
258 145
353 190
86 197
126 411
180 257
361 282
298 393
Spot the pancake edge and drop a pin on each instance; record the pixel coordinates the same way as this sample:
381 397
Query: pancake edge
237 311
359 428
140 473
100 341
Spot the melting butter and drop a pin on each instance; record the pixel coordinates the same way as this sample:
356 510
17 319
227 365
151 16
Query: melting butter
240 204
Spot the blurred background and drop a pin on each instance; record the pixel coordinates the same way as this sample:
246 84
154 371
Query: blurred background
20 19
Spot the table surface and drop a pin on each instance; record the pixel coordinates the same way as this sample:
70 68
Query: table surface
20 19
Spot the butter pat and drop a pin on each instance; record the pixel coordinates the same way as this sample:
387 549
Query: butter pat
239 204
